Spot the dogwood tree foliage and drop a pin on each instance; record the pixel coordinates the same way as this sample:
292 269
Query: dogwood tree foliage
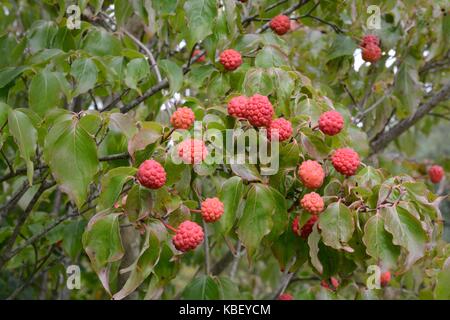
86 94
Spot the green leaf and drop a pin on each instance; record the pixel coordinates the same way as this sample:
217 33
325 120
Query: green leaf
442 288
85 73
41 35
218 85
123 123
247 172
231 195
72 236
101 240
147 260
379 242
262 205
406 87
284 83
150 132
137 69
337 226
313 243
44 92
174 73
368 177
257 81
200 15
270 56
8 74
288 246
342 46
229 290
202 288
99 42
72 157
25 136
139 203
112 183
407 232
199 74
123 9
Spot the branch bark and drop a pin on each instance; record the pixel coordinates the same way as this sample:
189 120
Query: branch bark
6 253
382 140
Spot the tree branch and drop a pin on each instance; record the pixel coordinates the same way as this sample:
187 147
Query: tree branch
382 140
6 253
434 65
118 156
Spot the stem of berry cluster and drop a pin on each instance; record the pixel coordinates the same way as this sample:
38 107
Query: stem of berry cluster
168 226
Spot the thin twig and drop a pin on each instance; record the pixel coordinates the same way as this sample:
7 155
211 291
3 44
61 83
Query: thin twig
235 263
6 253
11 168
118 156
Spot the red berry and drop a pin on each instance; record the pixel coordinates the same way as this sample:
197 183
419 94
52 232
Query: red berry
259 111
371 53
151 174
370 39
385 278
280 129
436 173
188 236
280 24
345 161
331 122
285 296
237 107
334 284
307 228
311 174
183 118
192 151
324 284
230 59
312 202
212 209
295 226
202 57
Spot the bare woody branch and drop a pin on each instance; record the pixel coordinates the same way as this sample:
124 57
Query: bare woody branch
382 140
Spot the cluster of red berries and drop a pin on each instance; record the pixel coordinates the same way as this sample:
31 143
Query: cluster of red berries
436 173
182 118
345 161
371 51
151 174
230 59
259 111
188 235
192 151
280 24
